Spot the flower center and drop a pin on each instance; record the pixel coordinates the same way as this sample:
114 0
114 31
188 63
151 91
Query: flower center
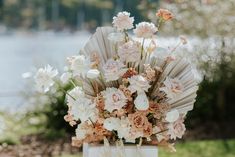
115 97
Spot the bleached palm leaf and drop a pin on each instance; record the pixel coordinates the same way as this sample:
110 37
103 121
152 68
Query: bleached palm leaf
180 69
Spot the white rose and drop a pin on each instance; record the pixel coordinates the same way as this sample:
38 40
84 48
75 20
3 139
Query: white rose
93 73
111 123
172 116
141 102
177 128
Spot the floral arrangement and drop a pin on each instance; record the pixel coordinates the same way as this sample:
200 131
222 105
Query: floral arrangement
126 88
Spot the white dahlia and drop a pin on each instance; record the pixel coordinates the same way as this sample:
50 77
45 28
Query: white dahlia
85 110
123 21
145 30
79 65
114 99
130 51
138 83
113 70
172 87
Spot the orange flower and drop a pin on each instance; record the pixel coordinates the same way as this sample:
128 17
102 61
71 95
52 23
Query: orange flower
99 100
148 131
129 73
126 92
158 109
164 14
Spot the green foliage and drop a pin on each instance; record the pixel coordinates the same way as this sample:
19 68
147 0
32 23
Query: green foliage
18 125
53 112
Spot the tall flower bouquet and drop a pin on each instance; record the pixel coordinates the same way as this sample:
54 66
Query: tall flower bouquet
127 89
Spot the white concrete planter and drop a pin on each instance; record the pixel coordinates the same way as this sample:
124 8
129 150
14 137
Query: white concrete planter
113 151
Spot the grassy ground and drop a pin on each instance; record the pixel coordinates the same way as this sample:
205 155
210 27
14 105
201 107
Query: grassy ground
215 148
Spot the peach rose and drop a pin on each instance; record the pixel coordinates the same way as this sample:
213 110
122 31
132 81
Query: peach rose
138 120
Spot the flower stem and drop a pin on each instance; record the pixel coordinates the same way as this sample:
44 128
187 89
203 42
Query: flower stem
73 83
63 90
142 48
92 122
126 35
159 23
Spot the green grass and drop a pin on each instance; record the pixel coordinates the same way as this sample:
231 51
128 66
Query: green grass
214 148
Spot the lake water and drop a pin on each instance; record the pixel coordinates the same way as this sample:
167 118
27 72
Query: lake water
20 53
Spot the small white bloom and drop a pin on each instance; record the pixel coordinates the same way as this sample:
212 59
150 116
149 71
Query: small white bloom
83 109
138 83
172 116
65 77
44 78
141 102
130 51
112 123
116 37
114 99
93 73
124 128
83 130
113 70
145 30
74 94
123 21
79 65
26 75
172 87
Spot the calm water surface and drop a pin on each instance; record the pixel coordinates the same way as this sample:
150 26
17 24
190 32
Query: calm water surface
22 53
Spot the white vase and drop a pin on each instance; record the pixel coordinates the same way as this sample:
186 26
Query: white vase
113 151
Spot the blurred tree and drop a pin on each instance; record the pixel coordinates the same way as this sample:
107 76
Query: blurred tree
215 102
60 14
